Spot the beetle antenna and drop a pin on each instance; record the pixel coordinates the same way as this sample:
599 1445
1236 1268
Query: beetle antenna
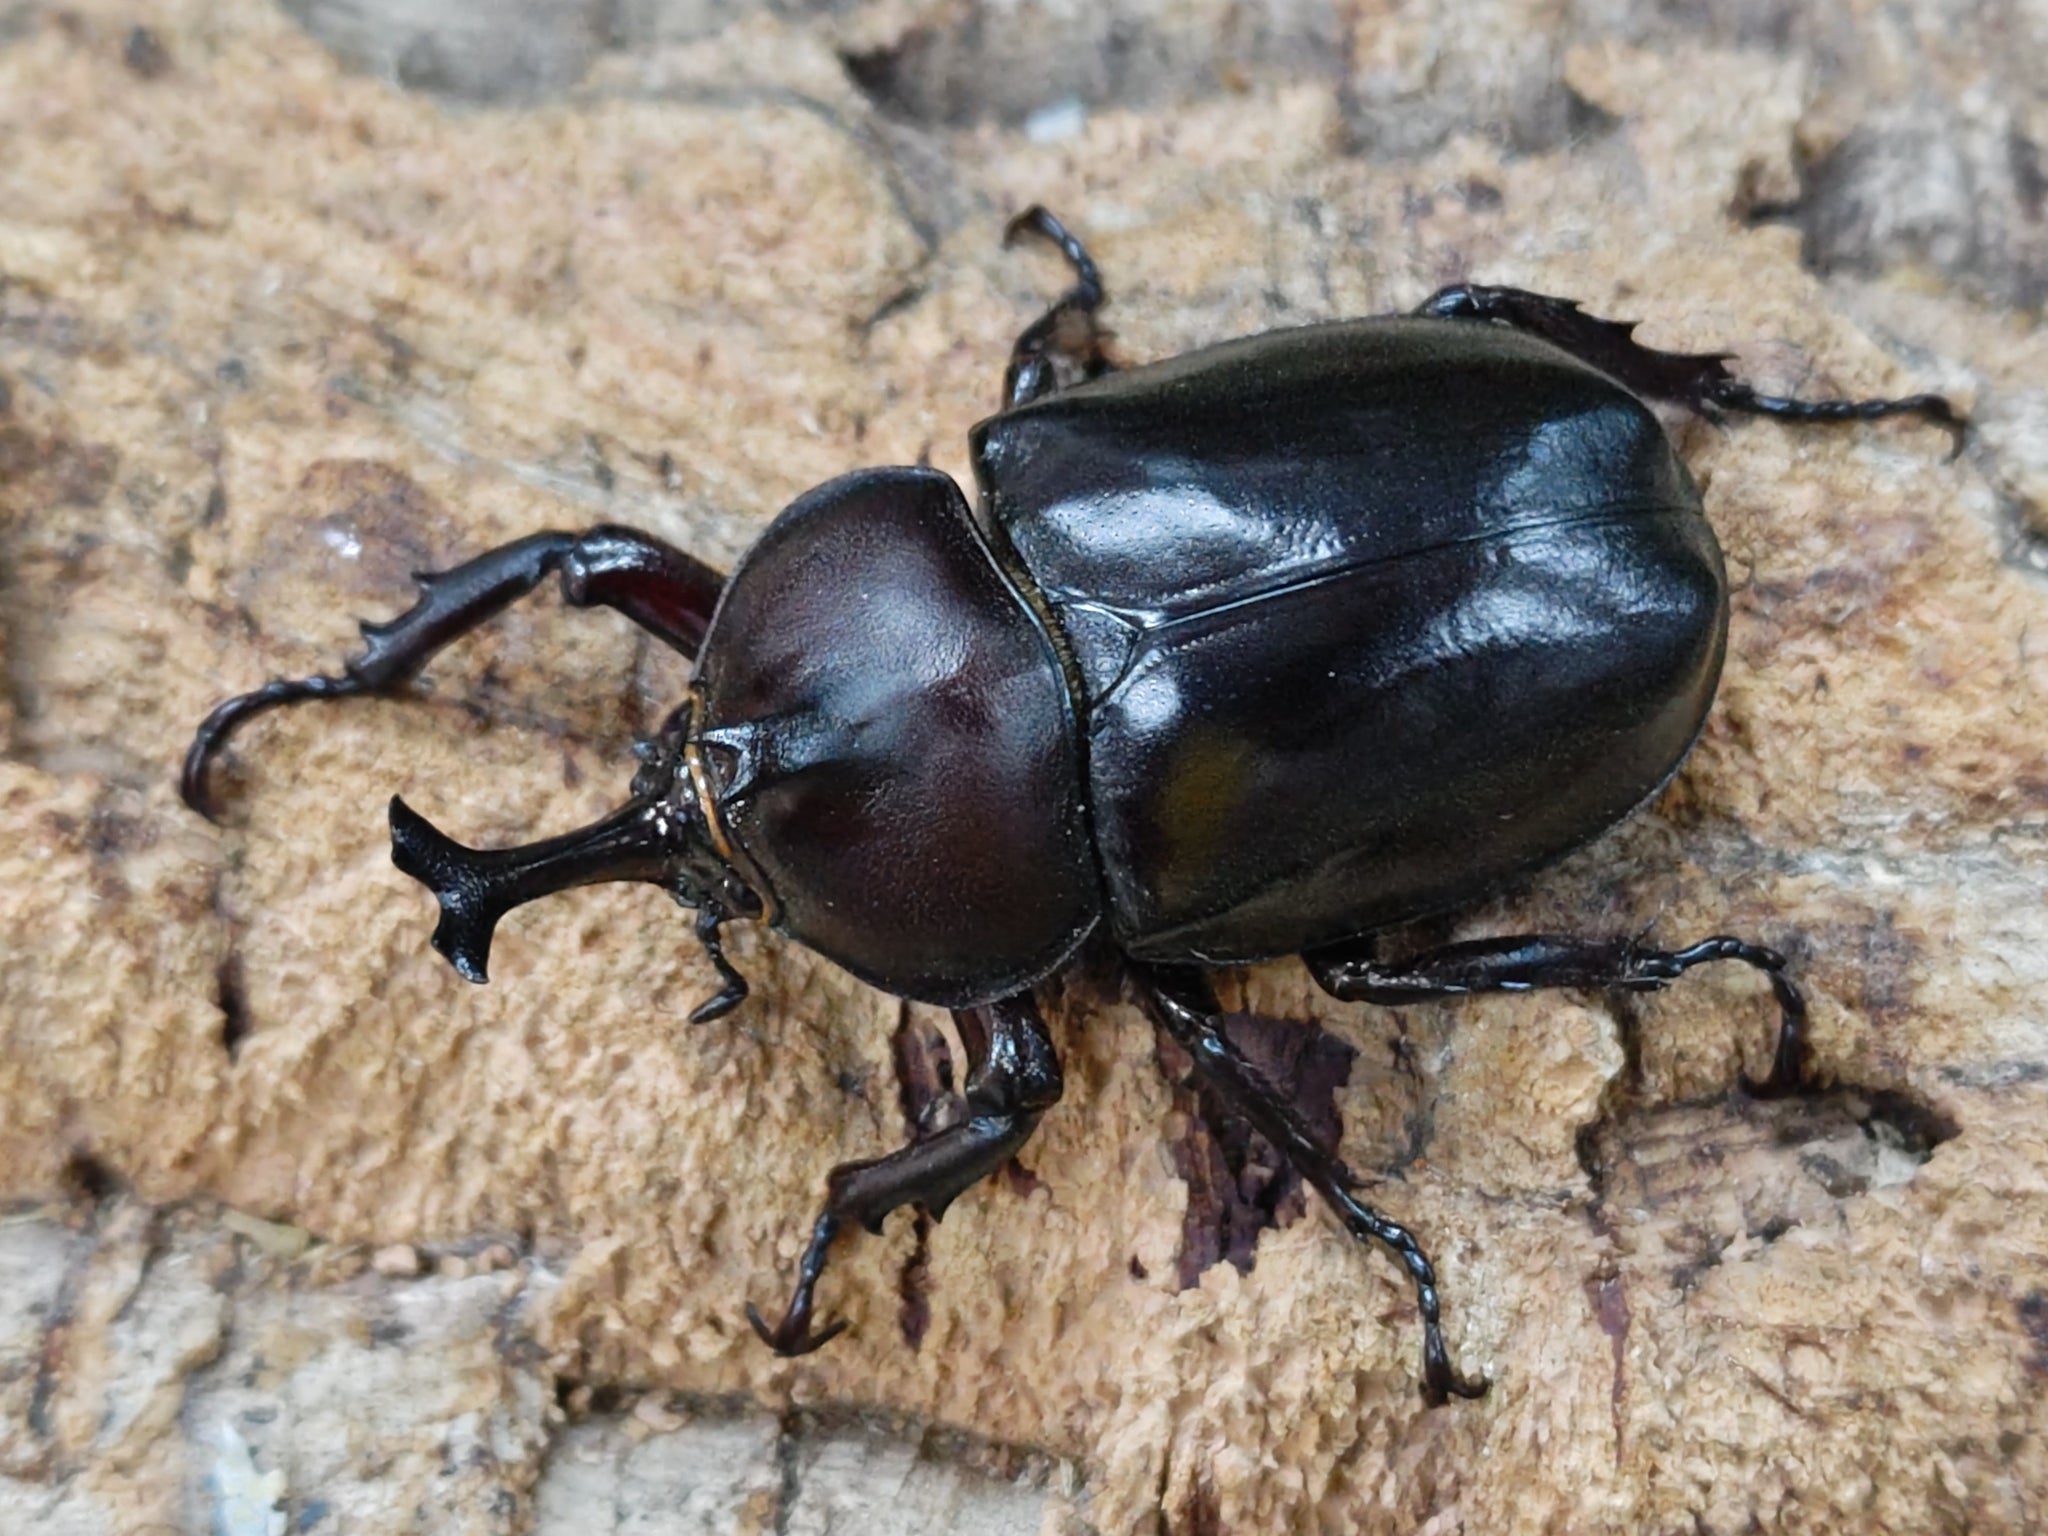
644 840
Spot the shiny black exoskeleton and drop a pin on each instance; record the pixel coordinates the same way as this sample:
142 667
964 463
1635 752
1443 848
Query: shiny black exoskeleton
1253 652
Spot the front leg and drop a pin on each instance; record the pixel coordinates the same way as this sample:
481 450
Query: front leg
1013 1078
1698 380
1182 1002
666 592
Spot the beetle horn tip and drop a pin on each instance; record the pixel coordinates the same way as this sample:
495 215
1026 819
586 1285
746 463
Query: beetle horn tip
470 909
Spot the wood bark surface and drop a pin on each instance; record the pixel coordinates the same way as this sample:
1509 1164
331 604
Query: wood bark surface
294 302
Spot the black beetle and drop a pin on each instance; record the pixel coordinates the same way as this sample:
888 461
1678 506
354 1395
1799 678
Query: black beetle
1252 652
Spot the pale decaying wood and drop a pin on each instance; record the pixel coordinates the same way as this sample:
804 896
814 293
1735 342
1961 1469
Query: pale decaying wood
273 334
210 1373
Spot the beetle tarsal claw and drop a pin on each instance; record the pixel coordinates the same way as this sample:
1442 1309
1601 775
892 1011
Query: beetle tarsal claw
789 1338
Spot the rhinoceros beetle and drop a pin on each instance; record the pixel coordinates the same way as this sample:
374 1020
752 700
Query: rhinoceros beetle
1257 651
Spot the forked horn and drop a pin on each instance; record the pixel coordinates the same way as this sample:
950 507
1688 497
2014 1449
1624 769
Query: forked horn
643 840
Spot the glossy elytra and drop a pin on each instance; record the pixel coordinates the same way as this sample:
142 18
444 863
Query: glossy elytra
1254 652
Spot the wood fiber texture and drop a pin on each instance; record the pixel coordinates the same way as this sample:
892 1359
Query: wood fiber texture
296 301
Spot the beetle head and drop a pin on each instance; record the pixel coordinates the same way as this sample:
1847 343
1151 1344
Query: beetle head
659 837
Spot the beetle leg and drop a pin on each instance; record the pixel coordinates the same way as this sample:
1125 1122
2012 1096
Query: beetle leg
1013 1078
1698 380
664 591
1183 1003
733 987
1524 962
1066 333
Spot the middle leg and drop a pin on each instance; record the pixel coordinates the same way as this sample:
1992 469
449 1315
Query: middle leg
1063 345
1013 1077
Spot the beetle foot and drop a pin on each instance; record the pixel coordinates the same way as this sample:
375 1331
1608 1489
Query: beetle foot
1064 345
228 715
1787 1077
793 1336
1440 1380
1788 1062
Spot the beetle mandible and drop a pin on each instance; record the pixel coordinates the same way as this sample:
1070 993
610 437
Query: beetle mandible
1254 652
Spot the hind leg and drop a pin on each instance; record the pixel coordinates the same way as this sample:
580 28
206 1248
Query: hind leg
1181 1000
1525 962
